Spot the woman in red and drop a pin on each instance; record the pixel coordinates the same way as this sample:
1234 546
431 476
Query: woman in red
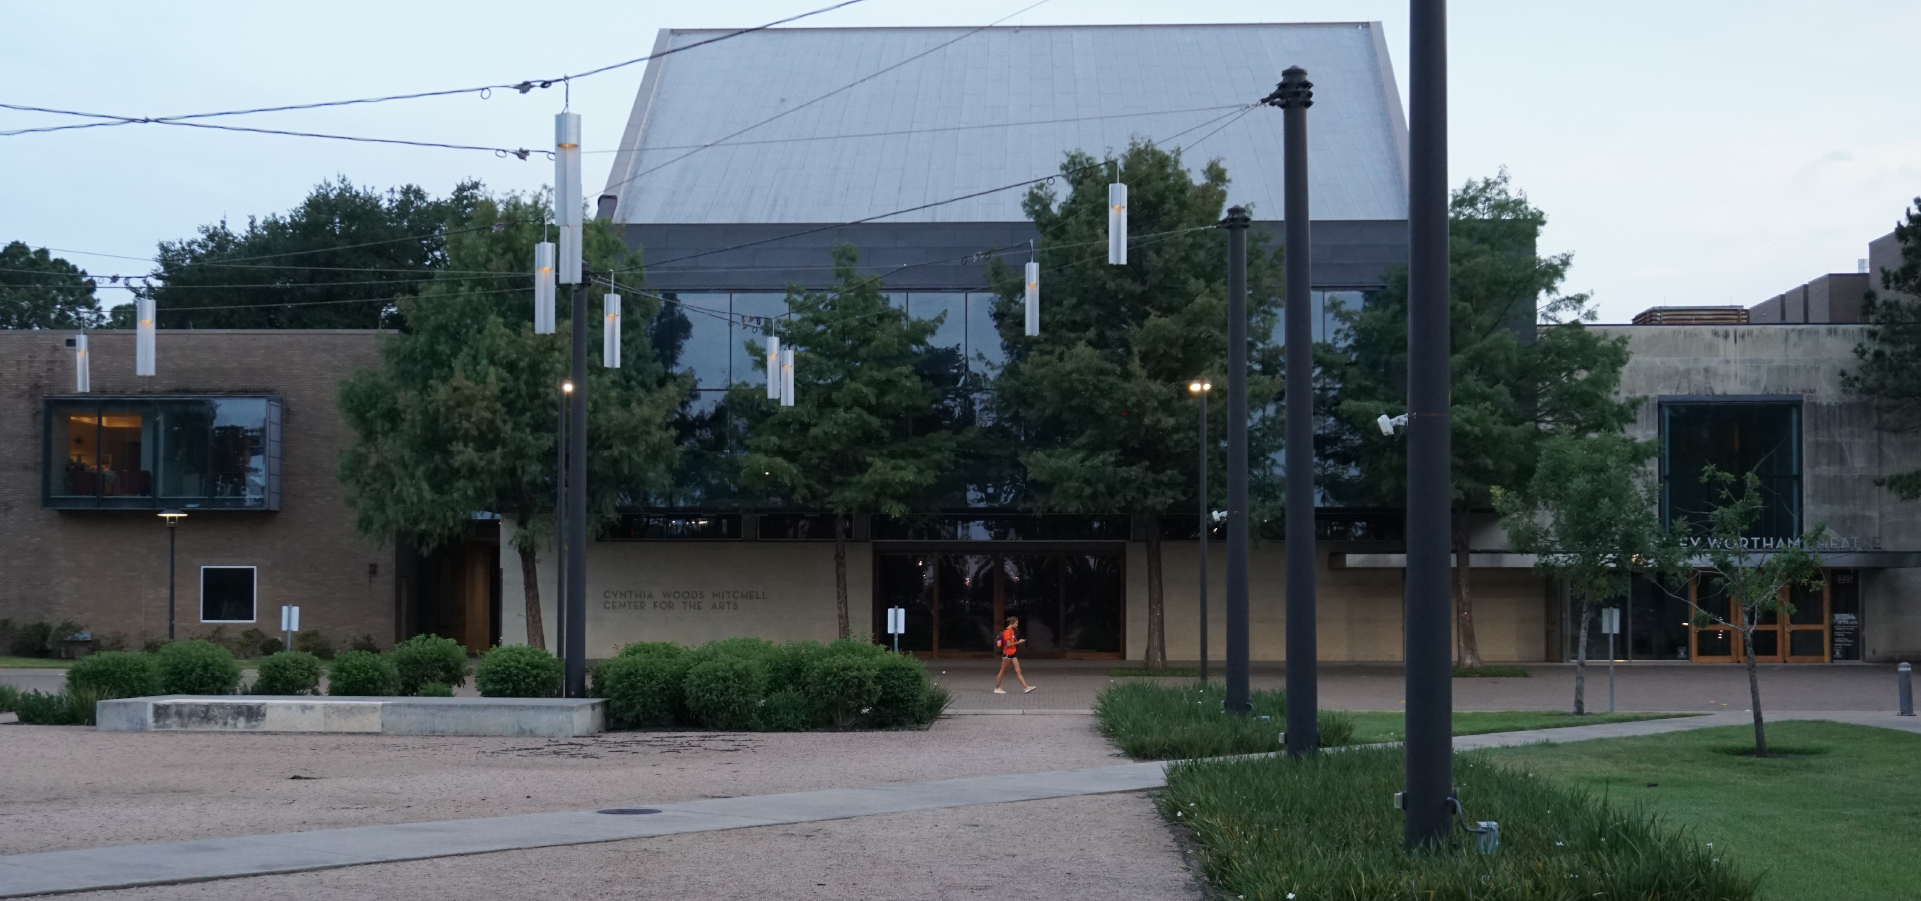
1010 648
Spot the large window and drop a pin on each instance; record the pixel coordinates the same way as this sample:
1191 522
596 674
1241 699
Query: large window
1737 436
154 452
227 594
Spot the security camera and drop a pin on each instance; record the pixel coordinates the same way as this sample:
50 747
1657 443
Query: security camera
1388 424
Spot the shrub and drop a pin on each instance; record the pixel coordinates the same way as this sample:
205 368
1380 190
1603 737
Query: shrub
310 641
365 643
724 692
842 686
31 640
111 641
900 693
642 689
518 671
289 673
153 643
9 698
428 658
37 709
197 667
57 637
255 643
360 674
436 690
934 703
787 666
115 674
80 705
1336 728
787 710
271 647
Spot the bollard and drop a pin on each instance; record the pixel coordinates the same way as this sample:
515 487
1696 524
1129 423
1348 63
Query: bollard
1904 681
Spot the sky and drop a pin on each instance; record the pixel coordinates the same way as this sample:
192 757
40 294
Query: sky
1706 152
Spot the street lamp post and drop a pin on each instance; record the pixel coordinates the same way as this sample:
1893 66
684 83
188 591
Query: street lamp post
1237 697
560 521
172 518
1200 390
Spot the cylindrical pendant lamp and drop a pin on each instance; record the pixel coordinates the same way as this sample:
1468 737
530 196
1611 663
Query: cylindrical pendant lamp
773 367
1033 298
1117 224
544 288
786 376
567 194
610 334
143 336
82 367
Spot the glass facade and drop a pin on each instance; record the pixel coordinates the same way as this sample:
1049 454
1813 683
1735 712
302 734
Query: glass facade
1069 603
166 451
1737 437
227 594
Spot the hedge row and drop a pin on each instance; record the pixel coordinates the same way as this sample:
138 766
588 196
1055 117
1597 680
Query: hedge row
751 683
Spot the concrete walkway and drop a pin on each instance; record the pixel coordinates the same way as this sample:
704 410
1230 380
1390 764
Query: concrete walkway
129 866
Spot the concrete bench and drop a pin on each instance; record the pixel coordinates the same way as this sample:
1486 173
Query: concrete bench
541 717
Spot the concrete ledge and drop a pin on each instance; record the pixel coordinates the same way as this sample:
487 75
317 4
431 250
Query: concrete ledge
534 717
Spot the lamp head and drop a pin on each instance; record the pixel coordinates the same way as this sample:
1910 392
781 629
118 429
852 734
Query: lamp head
1200 386
567 387
173 517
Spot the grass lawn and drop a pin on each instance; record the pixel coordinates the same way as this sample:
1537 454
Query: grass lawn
33 663
1840 819
1376 726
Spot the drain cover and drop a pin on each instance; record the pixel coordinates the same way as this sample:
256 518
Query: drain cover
628 811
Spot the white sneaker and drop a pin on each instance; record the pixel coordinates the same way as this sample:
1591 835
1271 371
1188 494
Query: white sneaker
1029 688
1000 691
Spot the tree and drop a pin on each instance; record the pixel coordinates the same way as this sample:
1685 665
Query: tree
38 290
1514 384
461 416
1098 401
1729 561
849 443
338 260
1888 373
1588 515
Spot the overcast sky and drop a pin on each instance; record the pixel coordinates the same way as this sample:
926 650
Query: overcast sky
1687 153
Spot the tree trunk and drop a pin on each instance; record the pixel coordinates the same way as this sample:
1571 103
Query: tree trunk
1469 649
840 578
1580 663
1754 694
530 584
1156 608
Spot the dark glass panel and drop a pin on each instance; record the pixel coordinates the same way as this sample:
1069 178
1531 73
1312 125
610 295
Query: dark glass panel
1095 603
126 454
1000 527
1713 643
226 594
73 436
1807 606
967 602
240 449
1805 643
1767 643
674 527
708 350
797 526
186 435
1736 438
984 351
1718 641
1657 624
1031 590
907 580
750 313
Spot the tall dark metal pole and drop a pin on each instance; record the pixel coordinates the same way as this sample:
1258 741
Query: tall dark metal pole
1430 691
1296 94
172 530
560 520
1203 489
1236 222
576 615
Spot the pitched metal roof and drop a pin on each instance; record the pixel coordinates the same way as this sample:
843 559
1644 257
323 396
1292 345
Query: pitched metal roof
995 106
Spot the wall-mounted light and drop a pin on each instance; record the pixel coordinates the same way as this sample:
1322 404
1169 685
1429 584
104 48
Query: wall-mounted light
544 288
610 333
567 194
143 336
773 367
1033 298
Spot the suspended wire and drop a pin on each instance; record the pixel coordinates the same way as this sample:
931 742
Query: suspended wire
484 90
521 153
846 87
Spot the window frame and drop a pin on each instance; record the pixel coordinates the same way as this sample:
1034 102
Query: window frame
1797 403
150 406
253 592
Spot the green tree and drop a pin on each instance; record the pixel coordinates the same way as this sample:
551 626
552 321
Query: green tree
338 260
1098 402
1588 515
1513 384
38 290
1888 373
850 443
1730 562
461 416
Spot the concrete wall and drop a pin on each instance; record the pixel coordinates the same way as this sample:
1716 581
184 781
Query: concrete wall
107 569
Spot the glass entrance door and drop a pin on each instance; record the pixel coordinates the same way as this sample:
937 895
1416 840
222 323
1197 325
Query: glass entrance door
1799 636
1070 604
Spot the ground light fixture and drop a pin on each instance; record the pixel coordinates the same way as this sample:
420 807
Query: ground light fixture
610 334
544 288
143 336
172 518
1033 298
773 367
1117 224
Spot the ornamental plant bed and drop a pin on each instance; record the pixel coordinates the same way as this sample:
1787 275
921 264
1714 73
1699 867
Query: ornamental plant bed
753 684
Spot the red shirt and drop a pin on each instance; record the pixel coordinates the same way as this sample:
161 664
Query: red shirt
1009 644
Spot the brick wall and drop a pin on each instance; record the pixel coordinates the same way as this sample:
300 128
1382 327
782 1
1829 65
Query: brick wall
107 569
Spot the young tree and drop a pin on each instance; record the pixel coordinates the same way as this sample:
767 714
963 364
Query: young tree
1514 384
38 290
849 443
1098 401
1888 372
338 260
1588 514
461 416
1729 561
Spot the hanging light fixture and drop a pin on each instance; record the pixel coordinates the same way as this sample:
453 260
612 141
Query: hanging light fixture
1033 298
544 288
82 367
1117 223
143 336
773 367
567 194
786 376
610 334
